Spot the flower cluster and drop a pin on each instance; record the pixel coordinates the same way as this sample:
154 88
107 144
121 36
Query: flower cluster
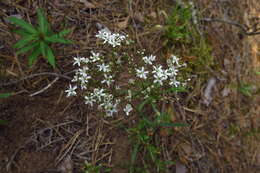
114 39
96 77
159 74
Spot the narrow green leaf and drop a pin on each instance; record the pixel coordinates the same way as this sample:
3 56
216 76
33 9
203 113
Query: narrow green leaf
56 39
36 52
3 122
133 157
177 89
23 24
5 95
43 23
64 32
27 48
21 43
50 56
22 32
43 48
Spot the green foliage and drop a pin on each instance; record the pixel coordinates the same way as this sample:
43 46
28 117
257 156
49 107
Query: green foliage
177 24
246 89
38 39
143 137
90 168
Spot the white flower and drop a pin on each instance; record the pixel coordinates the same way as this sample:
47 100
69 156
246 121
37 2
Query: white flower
71 91
141 73
108 79
89 100
77 60
172 72
174 82
95 57
159 74
149 59
128 109
173 61
103 67
99 93
113 39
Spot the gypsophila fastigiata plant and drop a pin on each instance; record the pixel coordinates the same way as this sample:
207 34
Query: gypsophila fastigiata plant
114 80
38 39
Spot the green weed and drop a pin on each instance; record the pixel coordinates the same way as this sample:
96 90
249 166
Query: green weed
144 139
38 38
90 168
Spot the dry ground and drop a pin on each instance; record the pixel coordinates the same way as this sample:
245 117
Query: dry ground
49 132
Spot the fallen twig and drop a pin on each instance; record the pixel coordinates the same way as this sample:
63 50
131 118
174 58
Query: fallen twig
38 74
45 88
245 29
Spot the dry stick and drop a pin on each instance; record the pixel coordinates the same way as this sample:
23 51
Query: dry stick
244 28
38 74
45 88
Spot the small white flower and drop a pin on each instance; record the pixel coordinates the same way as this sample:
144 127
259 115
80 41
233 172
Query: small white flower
71 91
108 79
77 60
113 39
159 74
149 59
103 67
99 93
89 100
174 82
173 61
95 57
141 73
128 109
172 72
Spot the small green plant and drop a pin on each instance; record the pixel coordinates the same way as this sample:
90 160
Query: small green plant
143 138
38 39
178 24
90 168
4 95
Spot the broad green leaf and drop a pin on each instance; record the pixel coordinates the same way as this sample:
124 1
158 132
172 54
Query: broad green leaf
64 32
43 23
36 52
5 95
21 43
50 56
56 39
23 24
22 32
3 122
27 48
43 48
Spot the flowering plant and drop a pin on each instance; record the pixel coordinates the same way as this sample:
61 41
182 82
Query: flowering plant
101 76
